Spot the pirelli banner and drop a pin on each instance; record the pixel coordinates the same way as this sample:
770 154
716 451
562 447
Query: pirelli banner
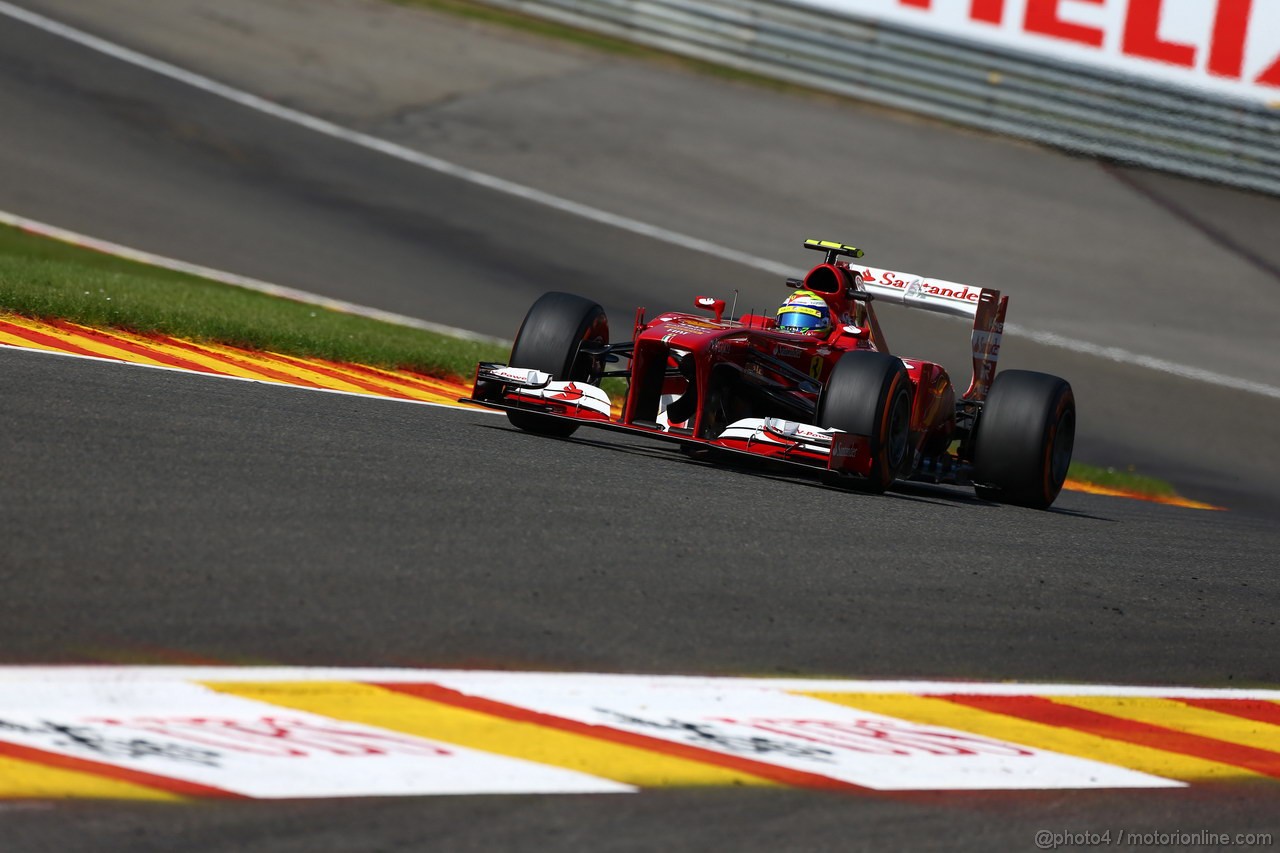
1224 47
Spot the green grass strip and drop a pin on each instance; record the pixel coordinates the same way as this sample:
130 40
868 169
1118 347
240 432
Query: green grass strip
45 279
1128 480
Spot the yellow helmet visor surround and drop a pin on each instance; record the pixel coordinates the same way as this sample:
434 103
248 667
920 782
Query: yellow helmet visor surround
802 318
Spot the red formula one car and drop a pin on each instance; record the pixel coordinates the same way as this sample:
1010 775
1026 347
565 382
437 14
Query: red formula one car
820 391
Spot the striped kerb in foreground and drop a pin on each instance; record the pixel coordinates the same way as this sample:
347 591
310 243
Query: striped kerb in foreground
181 733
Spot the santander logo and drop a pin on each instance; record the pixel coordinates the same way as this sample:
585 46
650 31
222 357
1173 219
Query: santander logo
947 290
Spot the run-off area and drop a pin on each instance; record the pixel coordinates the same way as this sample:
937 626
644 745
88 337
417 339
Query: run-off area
161 733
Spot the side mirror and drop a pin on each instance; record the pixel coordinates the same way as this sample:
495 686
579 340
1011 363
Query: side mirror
856 332
711 304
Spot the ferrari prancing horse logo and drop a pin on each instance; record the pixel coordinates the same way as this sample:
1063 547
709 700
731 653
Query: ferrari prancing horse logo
570 394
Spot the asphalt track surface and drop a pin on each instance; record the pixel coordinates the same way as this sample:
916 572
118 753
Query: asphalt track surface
243 522
149 510
109 149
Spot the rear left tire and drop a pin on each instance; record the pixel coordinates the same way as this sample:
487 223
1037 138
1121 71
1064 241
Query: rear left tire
1024 439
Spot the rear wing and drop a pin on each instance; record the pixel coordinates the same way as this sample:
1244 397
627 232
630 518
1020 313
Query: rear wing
986 307
913 291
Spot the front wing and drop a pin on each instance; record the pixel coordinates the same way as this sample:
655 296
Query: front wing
815 448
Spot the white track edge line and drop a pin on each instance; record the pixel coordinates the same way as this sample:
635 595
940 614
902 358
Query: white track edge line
84 241
108 360
1133 359
564 205
120 673
383 146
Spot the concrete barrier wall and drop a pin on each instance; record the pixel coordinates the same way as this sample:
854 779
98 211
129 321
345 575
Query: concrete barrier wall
1192 92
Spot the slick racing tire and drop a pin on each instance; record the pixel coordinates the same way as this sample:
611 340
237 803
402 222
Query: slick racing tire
1025 435
869 393
549 340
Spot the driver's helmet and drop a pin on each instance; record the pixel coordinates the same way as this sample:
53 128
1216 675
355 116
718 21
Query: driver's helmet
806 313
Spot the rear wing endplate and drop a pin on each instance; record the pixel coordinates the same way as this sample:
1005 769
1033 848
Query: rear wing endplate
987 308
988 328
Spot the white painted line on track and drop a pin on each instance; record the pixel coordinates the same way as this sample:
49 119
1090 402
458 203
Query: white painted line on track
126 674
373 143
165 367
84 241
564 205
1133 359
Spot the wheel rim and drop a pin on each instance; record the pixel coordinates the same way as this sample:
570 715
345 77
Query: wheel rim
1064 436
585 368
899 432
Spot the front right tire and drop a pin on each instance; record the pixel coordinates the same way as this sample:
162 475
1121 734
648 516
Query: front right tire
869 393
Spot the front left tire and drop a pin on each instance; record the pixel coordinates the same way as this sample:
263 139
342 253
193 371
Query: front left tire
550 340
